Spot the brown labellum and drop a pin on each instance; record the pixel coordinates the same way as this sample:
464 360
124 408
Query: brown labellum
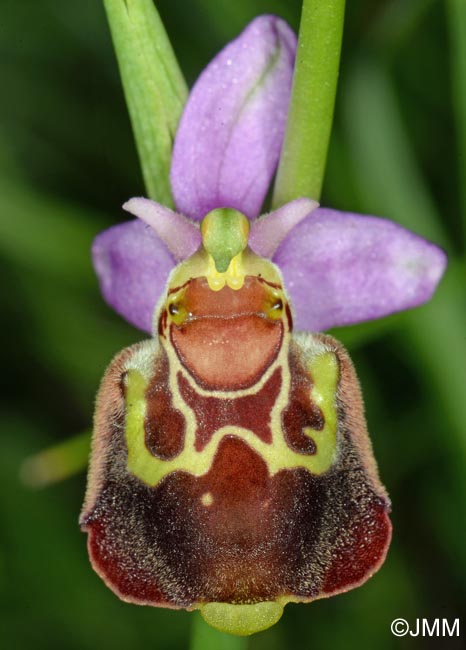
231 462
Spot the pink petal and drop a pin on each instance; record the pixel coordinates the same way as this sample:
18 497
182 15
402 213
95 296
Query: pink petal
181 236
268 231
132 265
230 135
342 268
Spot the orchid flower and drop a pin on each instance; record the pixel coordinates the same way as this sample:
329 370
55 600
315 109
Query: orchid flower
339 268
244 521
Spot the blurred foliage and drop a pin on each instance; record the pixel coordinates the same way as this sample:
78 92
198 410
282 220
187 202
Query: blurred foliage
68 161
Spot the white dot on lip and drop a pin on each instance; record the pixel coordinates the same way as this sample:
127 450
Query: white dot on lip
207 499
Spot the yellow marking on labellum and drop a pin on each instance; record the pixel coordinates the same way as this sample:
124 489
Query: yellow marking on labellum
241 620
277 454
325 374
207 499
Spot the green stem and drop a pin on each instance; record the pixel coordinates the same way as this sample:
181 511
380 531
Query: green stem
310 116
457 25
154 87
204 637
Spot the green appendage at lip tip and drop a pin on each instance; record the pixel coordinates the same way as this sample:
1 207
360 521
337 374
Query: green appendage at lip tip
241 620
225 234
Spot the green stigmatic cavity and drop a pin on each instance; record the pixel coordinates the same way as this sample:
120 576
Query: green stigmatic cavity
224 235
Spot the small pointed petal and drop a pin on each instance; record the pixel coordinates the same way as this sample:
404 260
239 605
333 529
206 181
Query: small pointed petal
181 236
132 265
230 135
268 231
342 268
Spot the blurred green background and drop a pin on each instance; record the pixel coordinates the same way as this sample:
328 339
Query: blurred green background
67 162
